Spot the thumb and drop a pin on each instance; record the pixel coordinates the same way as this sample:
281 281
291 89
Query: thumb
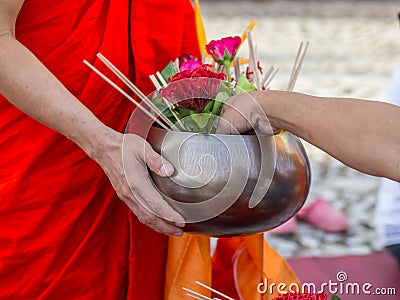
157 163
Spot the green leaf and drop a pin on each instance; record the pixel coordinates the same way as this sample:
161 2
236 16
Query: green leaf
190 124
209 107
201 119
227 55
220 98
162 106
243 85
217 108
169 114
211 125
227 88
168 71
334 297
183 112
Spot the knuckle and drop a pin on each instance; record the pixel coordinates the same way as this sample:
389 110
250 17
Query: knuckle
125 194
153 159
147 219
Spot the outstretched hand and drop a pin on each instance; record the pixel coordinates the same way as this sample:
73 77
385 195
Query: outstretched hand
242 113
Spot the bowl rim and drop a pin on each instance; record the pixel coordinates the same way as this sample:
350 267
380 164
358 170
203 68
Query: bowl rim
154 128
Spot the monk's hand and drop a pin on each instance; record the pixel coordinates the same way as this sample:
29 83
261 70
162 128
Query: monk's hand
244 112
125 158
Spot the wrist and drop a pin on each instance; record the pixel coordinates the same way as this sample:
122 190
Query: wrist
96 140
272 103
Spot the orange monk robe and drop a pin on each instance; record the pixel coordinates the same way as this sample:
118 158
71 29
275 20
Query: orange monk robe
64 233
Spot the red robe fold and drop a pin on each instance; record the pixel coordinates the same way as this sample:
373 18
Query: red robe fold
63 232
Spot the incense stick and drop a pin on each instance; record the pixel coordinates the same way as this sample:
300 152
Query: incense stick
300 65
126 95
175 63
294 65
169 104
197 294
236 65
194 297
137 91
253 59
267 75
155 82
161 78
268 82
213 290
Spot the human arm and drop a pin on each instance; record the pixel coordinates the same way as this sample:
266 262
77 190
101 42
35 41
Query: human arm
28 85
362 134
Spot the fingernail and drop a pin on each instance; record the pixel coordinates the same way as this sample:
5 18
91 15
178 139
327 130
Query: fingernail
167 169
180 224
178 233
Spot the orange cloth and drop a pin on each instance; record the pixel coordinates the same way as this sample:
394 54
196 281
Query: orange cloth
238 266
241 264
188 261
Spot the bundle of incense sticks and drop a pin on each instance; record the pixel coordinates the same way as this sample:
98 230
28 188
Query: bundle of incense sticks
147 106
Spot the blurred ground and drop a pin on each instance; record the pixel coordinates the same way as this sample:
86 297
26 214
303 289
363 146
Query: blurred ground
354 48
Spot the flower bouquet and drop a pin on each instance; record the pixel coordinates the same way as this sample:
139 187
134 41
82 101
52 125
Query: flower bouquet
192 92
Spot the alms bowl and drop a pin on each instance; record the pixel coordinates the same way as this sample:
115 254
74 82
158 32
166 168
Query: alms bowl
232 185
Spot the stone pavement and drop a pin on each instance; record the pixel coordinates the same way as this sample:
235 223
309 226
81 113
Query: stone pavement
354 48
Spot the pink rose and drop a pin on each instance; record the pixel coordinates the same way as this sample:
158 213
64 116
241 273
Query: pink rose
224 50
188 62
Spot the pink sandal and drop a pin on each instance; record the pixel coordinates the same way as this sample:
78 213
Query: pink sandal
321 215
